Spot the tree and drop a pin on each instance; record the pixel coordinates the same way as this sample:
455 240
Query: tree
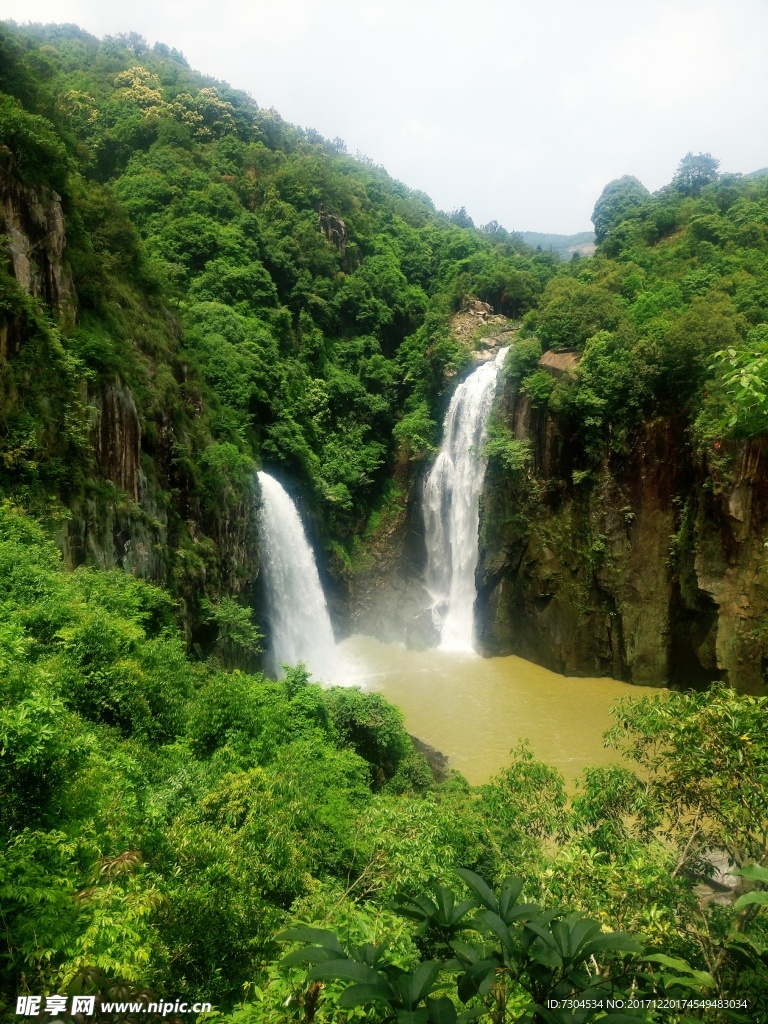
461 217
707 771
744 372
509 959
571 312
694 172
618 200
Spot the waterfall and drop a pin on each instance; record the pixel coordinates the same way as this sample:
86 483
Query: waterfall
450 506
299 624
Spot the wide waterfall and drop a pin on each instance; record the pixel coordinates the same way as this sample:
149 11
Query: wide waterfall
450 506
300 628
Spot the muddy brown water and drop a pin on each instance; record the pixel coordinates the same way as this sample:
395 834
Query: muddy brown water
476 709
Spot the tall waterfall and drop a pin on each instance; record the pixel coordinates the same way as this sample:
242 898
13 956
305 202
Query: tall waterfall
450 506
296 610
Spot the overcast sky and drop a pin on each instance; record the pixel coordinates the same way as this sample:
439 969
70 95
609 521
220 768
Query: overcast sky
519 111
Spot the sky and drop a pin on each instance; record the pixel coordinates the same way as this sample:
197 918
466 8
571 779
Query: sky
519 111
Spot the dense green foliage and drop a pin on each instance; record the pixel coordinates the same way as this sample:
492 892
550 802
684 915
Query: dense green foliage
265 297
669 317
136 784
162 819
313 290
510 960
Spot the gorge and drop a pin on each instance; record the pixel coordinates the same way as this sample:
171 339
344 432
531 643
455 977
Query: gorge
510 700
261 404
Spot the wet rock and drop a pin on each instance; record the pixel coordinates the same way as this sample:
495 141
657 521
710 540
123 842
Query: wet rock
117 438
438 762
386 597
423 631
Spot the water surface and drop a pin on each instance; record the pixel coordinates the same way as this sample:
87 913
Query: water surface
476 709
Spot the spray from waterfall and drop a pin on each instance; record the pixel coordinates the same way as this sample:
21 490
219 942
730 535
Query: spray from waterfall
450 506
299 624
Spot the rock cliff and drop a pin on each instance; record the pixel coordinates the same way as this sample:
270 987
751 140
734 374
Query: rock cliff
32 222
385 595
650 567
134 502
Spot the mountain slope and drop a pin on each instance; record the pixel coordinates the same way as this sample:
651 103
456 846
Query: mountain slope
231 288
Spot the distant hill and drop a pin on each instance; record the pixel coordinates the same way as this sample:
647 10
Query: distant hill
564 245
761 173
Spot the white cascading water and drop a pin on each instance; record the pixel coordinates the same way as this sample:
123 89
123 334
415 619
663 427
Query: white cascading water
450 506
297 612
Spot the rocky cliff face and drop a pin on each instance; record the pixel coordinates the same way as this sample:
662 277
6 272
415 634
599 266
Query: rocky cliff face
33 225
385 596
136 509
650 568
125 526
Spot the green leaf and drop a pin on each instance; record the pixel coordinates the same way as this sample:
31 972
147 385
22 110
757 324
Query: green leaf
441 1011
574 933
477 979
669 961
419 1016
702 978
463 908
414 987
309 955
523 910
545 956
361 995
614 942
348 969
543 932
469 1015
750 898
492 922
321 936
446 900
368 953
479 888
511 888
419 909
753 872
465 951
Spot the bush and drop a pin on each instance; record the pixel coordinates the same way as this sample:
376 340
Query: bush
372 727
522 358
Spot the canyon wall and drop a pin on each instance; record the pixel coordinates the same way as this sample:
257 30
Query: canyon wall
649 567
132 488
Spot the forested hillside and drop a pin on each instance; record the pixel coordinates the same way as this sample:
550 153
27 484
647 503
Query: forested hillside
163 819
192 289
231 287
627 504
